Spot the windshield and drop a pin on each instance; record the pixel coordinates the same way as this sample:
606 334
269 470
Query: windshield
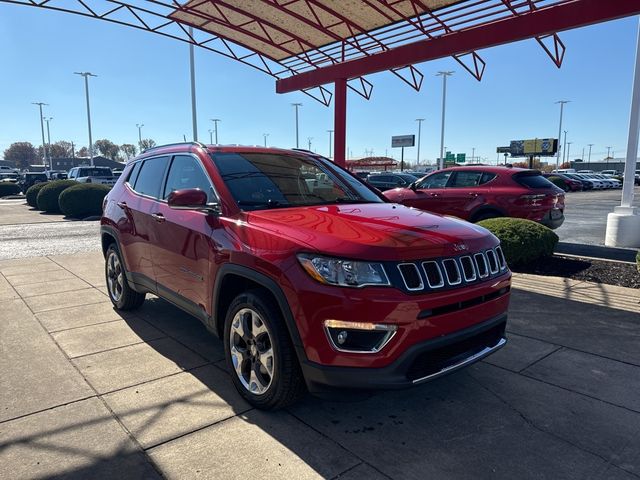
268 180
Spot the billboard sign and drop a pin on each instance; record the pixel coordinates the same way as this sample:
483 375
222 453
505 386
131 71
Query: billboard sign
539 146
461 158
403 141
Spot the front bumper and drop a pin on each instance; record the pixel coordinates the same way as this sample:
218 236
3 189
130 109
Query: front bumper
422 362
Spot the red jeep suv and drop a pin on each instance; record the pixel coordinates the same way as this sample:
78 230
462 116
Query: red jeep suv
310 277
476 193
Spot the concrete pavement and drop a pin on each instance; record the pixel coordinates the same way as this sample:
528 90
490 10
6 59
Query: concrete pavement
87 392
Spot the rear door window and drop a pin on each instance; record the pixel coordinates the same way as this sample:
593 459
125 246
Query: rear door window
149 181
133 174
464 179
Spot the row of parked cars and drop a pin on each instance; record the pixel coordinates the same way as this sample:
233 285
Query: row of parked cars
82 174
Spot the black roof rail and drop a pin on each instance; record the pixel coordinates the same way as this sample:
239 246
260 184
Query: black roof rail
198 144
304 150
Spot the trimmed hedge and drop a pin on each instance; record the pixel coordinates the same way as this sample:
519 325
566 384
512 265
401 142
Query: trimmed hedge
9 188
83 200
523 241
558 182
32 193
48 196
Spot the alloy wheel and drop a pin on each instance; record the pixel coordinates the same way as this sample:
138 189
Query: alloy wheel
115 276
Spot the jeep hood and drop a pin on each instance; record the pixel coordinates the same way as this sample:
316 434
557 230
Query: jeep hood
374 231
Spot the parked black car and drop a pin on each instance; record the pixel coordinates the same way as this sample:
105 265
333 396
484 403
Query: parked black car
31 178
386 181
586 184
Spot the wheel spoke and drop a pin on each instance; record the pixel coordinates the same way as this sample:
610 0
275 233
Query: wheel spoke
266 360
255 385
238 359
258 327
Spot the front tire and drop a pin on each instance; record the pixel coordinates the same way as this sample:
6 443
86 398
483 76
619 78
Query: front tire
259 353
121 294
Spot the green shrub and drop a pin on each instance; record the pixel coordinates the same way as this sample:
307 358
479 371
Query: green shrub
83 200
48 196
8 188
558 182
523 241
32 194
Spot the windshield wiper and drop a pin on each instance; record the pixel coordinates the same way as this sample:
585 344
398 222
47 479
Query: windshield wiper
269 203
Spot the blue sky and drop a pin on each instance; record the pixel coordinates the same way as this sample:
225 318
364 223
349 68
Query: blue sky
144 78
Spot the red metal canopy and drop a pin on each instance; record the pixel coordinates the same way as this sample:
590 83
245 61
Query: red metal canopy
306 44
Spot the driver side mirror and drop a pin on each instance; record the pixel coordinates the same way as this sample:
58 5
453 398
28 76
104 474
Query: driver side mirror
191 199
413 186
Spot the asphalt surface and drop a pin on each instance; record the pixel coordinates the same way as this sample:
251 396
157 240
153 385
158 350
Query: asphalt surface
586 215
44 239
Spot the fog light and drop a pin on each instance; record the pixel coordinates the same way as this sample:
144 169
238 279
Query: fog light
358 337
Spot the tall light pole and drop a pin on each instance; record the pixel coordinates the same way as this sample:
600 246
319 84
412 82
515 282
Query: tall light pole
296 105
608 152
561 102
568 149
210 136
86 76
473 153
44 146
444 76
309 140
419 120
192 73
215 127
330 137
49 141
564 147
264 136
589 160
140 125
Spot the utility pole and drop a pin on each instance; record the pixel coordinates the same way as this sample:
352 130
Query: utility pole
444 76
296 105
564 148
589 161
73 150
309 140
582 158
330 149
192 72
215 127
568 148
140 125
419 120
264 136
608 152
473 153
86 76
49 142
210 136
44 146
561 102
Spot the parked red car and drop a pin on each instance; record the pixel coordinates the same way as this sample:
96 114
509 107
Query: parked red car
568 184
310 277
476 193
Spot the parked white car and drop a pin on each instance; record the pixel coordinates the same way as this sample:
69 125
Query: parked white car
100 175
598 184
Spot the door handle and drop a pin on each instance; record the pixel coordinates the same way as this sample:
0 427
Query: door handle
473 194
434 194
158 217
122 205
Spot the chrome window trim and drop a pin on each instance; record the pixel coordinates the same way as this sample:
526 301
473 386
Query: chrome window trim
486 264
421 286
447 273
497 269
439 285
473 268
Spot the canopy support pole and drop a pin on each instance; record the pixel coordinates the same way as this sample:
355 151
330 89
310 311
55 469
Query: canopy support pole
340 122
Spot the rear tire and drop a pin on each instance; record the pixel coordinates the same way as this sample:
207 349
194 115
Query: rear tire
121 294
260 356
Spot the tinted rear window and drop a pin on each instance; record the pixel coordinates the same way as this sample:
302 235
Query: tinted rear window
533 180
150 177
133 175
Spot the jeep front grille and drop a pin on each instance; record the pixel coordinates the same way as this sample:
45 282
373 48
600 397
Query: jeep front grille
451 272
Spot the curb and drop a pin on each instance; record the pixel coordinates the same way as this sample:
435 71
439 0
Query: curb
597 251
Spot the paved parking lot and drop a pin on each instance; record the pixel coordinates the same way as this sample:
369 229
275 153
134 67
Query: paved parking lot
586 215
89 393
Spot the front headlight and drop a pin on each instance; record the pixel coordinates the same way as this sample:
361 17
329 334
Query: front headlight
345 273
